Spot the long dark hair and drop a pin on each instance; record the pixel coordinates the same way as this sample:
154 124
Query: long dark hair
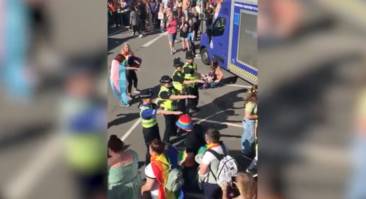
115 144
157 146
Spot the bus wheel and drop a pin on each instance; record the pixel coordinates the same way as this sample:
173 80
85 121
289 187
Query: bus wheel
204 56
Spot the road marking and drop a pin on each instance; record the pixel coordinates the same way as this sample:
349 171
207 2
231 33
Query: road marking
213 115
149 43
22 184
226 123
238 85
131 129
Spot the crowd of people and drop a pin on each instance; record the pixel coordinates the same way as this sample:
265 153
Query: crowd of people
174 174
203 165
186 18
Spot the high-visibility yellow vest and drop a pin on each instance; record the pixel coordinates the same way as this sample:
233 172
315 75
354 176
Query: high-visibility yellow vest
178 85
166 104
147 123
192 74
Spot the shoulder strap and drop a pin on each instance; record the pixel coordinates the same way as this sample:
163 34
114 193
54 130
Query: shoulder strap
217 155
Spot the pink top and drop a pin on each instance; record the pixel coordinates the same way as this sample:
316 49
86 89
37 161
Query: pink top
172 26
115 74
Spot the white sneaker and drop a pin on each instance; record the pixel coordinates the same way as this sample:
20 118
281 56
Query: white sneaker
136 91
140 36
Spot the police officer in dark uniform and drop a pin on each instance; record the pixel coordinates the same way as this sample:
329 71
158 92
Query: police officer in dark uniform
190 74
148 112
168 98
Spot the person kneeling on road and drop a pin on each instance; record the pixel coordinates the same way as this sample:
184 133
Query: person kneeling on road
148 112
214 77
167 100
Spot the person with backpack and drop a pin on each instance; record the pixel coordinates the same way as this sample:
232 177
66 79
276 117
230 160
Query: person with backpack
212 168
163 180
148 112
249 124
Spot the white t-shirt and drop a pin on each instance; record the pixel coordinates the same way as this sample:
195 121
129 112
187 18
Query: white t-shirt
150 174
208 157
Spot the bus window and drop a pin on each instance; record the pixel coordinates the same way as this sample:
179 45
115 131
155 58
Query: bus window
247 50
219 27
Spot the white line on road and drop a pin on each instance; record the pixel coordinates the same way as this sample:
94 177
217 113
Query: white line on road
238 85
149 43
25 181
226 123
213 115
131 129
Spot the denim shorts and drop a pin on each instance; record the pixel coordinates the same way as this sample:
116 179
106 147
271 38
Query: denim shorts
191 36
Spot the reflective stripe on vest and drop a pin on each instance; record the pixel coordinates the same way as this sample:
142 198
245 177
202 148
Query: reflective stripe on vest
147 123
178 85
166 104
190 76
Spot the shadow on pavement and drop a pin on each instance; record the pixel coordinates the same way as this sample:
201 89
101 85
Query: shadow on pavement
122 118
115 42
230 136
23 134
116 31
243 161
224 102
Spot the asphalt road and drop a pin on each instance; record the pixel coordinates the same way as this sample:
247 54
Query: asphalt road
221 108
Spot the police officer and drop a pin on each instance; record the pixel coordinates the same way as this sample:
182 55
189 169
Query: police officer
180 84
148 112
168 98
190 74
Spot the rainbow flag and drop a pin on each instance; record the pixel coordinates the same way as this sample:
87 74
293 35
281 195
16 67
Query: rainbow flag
160 166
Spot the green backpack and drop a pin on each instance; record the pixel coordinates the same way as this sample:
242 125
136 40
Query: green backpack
175 180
